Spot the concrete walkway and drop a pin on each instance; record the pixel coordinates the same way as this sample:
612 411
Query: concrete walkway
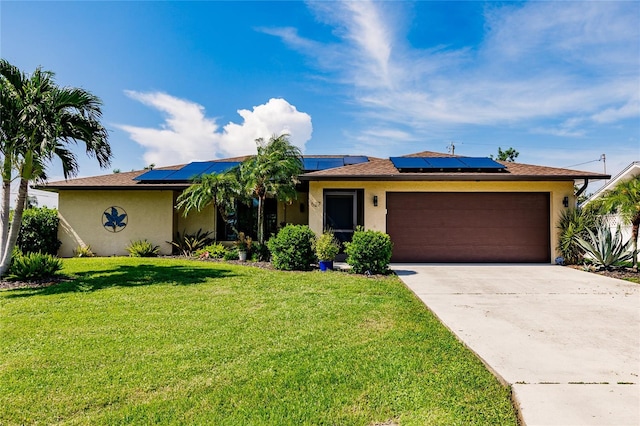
568 342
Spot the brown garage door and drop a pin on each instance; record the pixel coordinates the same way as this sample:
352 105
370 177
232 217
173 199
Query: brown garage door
469 227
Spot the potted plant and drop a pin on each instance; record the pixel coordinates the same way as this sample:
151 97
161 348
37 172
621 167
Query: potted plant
327 248
243 244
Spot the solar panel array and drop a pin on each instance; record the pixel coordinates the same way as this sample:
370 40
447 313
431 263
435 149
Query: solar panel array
198 168
446 164
186 173
310 164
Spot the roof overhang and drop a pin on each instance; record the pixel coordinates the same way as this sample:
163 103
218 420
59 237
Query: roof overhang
139 187
453 177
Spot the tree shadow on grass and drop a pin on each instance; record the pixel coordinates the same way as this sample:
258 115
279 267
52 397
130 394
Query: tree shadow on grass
126 276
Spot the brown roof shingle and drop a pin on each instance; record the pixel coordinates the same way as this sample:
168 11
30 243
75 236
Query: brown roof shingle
375 169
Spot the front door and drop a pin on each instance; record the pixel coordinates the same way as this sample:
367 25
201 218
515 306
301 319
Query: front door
340 213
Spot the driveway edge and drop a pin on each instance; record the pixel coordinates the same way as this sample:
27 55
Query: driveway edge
514 399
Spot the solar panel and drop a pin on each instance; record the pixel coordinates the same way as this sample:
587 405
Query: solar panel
410 163
154 175
191 171
446 163
481 163
315 164
221 167
355 159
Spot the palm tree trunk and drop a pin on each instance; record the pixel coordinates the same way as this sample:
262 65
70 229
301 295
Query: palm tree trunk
634 238
6 204
6 208
261 220
15 227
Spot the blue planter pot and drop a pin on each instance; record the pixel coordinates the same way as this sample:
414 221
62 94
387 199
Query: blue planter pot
326 265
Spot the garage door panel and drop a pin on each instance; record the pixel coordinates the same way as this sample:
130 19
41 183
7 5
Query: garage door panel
469 227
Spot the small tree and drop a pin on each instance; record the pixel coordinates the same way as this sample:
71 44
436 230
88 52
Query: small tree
221 189
38 121
509 155
272 172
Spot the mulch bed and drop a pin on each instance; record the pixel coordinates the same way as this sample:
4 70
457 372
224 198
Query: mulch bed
621 273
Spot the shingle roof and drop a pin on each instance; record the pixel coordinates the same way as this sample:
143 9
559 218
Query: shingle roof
375 169
123 180
378 169
431 154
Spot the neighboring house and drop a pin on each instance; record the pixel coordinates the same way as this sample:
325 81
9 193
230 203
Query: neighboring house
614 220
435 207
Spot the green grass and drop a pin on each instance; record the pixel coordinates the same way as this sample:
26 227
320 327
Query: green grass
165 341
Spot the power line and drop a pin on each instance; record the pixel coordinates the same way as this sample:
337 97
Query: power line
603 158
580 164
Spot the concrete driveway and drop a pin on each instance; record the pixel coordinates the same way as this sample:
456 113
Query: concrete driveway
568 342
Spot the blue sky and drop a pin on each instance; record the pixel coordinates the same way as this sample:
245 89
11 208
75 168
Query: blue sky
183 81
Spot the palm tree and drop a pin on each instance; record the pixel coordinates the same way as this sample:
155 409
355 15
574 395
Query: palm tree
221 189
272 172
39 120
624 199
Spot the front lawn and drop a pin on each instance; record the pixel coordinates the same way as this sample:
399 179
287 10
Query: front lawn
167 341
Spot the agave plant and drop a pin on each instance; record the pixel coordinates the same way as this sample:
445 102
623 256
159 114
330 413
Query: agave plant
606 249
188 244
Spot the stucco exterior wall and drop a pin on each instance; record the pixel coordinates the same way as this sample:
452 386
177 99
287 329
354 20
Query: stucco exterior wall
150 216
296 212
375 218
204 219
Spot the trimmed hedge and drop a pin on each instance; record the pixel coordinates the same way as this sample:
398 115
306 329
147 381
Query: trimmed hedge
369 252
39 231
292 248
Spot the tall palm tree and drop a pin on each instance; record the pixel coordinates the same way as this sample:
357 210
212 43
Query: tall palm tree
624 199
272 172
220 189
39 121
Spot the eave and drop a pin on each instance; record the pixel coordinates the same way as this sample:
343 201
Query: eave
454 177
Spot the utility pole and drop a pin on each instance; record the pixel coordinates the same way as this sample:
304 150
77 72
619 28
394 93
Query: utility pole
451 148
603 158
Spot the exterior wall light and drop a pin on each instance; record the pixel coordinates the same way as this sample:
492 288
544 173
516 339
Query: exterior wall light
565 201
375 201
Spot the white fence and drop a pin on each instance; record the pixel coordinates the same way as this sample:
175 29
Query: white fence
613 221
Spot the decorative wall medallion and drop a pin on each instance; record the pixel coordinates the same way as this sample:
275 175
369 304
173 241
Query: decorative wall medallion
114 219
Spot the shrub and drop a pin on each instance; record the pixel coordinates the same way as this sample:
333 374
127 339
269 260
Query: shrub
83 251
39 231
327 246
292 248
142 248
369 252
606 249
34 266
188 244
260 253
214 251
231 254
573 225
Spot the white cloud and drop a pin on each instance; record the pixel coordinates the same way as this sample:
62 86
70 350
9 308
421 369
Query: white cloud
551 61
188 135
